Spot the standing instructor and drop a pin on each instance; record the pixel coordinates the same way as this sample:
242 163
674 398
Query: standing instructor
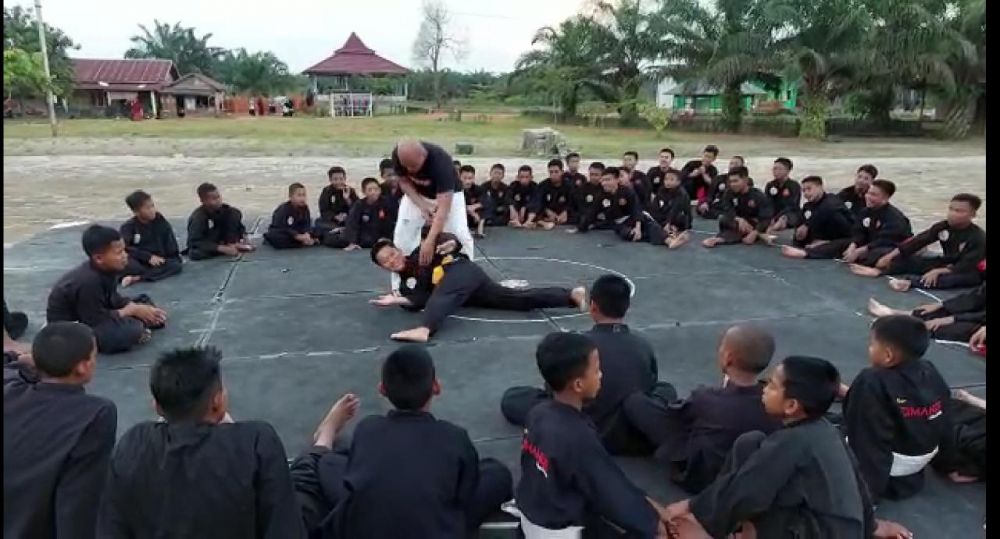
433 192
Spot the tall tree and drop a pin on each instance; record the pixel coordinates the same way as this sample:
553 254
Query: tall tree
435 39
189 52
257 73
24 74
965 55
20 32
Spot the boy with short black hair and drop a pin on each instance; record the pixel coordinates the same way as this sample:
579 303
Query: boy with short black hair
630 366
824 219
854 196
747 212
635 178
215 228
786 197
522 195
213 477
896 412
496 203
670 207
57 438
799 481
697 174
473 199
406 473
573 176
655 174
568 480
555 196
149 239
694 435
390 184
335 201
370 219
586 196
963 245
89 294
291 225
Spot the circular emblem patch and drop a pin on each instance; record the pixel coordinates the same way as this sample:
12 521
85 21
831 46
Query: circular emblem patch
601 217
411 282
661 203
517 198
849 204
365 218
211 224
590 198
606 203
773 191
562 199
136 238
656 180
808 214
333 199
548 197
291 221
751 203
722 185
867 222
943 236
736 202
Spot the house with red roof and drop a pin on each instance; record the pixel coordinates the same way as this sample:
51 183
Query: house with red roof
106 87
355 79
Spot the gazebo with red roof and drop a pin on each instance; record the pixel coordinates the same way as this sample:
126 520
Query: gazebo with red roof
355 59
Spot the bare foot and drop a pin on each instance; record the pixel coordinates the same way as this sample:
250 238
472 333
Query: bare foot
579 296
959 478
245 247
711 242
129 280
793 252
336 419
899 285
879 310
865 271
147 336
678 240
548 225
420 334
768 238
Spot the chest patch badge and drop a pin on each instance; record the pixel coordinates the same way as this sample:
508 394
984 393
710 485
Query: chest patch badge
751 203
291 221
365 218
333 199
808 214
943 235
722 186
211 224
849 204
590 198
866 222
773 191
517 198
411 282
606 203
136 238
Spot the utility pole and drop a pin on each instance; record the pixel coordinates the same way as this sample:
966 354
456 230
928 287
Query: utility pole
49 97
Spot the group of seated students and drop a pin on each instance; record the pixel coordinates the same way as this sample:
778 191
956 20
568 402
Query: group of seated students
758 457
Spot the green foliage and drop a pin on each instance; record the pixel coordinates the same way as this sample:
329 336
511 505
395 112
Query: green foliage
24 74
189 52
658 117
256 73
20 32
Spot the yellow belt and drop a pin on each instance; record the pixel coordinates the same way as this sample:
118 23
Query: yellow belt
438 272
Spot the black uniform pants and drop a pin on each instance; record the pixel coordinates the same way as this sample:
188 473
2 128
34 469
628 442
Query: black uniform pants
912 268
14 323
169 267
121 334
829 250
466 284
959 331
729 231
282 239
496 486
231 230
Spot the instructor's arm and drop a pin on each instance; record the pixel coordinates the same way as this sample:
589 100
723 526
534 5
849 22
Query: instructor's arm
443 209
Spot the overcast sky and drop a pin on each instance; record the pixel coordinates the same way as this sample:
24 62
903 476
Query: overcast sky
303 32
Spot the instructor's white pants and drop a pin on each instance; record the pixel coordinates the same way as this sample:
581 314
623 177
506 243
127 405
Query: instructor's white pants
410 221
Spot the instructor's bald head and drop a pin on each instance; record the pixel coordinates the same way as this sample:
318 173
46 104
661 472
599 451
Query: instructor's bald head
411 154
751 347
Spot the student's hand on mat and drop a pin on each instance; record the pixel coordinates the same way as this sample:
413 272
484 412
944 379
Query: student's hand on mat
887 529
978 339
386 300
851 256
929 308
884 262
743 226
779 224
352 247
930 279
156 261
548 225
149 314
750 238
801 232
228 250
938 323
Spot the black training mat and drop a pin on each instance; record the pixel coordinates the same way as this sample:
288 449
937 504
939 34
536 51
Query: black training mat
297 331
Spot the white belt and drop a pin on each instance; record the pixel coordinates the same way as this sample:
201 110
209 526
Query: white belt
534 531
903 465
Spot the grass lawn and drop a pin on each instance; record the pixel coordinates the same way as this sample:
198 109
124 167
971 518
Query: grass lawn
498 135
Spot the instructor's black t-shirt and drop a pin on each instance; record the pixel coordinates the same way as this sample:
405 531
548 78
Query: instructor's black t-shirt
436 176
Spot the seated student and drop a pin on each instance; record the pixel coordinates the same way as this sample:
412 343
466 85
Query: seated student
880 229
450 281
618 208
694 435
496 203
291 225
629 366
473 199
521 196
655 174
458 165
573 176
568 479
215 228
382 485
967 459
697 174
555 196
670 207
634 177
799 481
747 212
89 294
786 197
197 473
335 201
824 219
854 196
711 206
369 220
149 239
587 195
390 184
57 439
963 245
955 319
896 413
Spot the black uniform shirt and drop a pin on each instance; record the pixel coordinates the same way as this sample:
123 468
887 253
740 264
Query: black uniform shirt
853 199
437 175
143 240
884 226
962 248
521 195
333 202
786 197
556 198
827 218
370 221
671 206
85 295
292 218
206 229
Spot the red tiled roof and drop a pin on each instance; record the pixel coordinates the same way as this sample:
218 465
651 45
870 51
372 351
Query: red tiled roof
95 74
355 58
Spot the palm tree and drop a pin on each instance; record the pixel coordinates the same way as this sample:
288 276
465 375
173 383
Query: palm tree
190 53
965 55
257 73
